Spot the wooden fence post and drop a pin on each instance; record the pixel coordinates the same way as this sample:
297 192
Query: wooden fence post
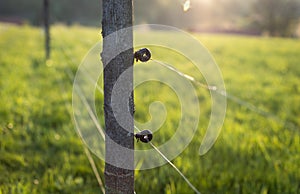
47 29
117 15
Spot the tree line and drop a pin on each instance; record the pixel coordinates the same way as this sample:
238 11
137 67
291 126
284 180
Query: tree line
273 17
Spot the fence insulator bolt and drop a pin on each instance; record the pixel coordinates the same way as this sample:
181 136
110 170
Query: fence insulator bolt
143 55
145 136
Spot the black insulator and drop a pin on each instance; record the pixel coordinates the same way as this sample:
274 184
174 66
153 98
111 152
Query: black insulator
143 55
144 136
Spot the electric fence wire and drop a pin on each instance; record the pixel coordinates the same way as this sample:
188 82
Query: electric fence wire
236 100
87 153
172 165
231 97
86 150
92 115
88 107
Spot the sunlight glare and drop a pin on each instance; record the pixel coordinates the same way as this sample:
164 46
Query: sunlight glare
186 5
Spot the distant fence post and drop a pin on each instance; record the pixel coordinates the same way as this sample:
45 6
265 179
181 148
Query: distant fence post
117 15
47 28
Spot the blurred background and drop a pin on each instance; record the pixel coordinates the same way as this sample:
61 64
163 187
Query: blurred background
254 17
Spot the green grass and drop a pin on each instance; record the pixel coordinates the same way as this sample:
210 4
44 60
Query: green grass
40 151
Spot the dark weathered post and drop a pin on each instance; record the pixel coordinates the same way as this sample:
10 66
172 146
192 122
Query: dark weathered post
119 165
47 29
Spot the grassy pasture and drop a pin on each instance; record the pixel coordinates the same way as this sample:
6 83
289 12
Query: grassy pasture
40 151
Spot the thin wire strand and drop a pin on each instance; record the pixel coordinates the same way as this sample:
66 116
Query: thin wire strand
178 171
95 170
230 96
90 111
173 165
93 166
86 150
